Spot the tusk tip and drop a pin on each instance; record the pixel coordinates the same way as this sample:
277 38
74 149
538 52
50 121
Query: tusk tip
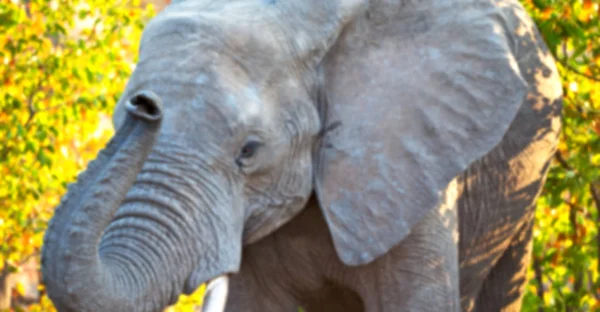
215 296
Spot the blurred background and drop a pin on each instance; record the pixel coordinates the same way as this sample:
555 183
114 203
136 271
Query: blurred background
63 64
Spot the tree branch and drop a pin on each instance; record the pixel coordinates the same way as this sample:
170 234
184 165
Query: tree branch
563 62
537 268
578 275
561 160
574 70
595 190
560 293
30 107
591 288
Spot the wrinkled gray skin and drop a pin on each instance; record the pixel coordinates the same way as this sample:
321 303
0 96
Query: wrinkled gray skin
341 155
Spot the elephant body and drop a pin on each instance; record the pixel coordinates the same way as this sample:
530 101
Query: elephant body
297 265
340 155
496 197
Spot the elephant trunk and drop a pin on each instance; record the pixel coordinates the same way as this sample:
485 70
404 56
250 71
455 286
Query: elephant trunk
77 276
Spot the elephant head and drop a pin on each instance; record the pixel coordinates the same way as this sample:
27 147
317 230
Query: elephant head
238 110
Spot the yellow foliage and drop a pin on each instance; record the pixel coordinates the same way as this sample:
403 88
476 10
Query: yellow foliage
63 65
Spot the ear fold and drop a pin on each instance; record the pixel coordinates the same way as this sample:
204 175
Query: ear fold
419 97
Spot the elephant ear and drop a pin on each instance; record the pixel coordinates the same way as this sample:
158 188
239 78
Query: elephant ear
417 97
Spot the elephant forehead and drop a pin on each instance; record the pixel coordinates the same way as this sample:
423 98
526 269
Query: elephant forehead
240 28
246 105
232 51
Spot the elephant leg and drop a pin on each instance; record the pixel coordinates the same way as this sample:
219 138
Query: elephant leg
250 292
261 285
255 290
503 288
421 273
283 271
334 298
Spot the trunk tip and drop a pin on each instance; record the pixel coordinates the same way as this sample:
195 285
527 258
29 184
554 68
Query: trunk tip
145 105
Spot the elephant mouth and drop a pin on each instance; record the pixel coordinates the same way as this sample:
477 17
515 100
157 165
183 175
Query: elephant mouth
215 295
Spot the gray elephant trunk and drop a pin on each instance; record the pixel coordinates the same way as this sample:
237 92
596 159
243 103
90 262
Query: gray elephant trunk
77 276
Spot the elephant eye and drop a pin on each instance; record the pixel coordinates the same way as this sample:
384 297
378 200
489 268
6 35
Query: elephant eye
249 149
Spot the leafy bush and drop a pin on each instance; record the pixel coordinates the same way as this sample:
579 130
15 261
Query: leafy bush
564 273
64 65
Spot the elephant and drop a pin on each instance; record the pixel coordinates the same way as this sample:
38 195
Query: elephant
334 155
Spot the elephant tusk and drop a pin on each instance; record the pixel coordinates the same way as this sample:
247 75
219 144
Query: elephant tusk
215 296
